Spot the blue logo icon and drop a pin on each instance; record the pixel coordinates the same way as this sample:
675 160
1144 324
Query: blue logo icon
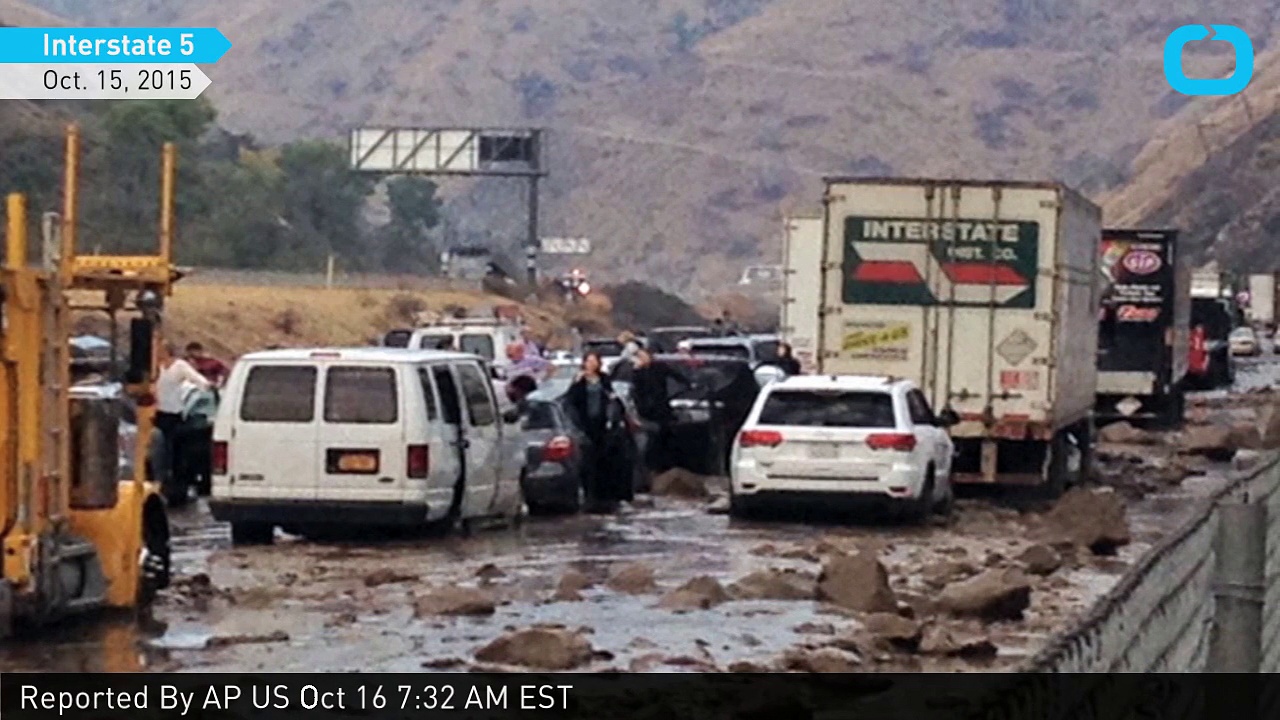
1178 80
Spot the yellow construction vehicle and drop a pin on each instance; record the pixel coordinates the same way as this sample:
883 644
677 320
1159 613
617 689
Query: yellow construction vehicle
77 534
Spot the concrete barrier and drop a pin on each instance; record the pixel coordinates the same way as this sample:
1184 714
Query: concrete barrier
369 281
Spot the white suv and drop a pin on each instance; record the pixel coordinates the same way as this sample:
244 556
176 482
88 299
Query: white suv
819 437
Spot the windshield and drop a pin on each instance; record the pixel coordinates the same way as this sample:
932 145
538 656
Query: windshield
838 408
397 338
540 416
605 348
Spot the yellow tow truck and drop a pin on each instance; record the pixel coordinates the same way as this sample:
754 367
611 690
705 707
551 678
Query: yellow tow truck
78 535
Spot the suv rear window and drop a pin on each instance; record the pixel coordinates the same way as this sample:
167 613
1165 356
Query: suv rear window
360 395
279 394
835 408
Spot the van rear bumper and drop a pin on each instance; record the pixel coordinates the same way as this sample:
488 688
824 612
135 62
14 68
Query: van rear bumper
319 512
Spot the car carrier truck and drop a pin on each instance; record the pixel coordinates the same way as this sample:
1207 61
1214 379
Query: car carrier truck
982 292
1143 328
801 277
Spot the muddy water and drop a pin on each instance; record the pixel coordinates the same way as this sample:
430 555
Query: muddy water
301 606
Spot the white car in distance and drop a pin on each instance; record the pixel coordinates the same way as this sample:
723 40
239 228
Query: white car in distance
824 438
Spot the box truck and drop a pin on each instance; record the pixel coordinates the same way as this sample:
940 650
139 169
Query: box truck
982 292
1143 329
801 278
1262 299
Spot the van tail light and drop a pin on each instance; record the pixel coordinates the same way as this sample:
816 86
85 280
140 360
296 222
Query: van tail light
418 463
759 438
219 458
557 449
901 442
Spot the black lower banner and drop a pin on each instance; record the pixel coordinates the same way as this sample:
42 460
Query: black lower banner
284 696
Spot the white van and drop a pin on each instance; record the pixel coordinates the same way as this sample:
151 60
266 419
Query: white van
486 338
310 440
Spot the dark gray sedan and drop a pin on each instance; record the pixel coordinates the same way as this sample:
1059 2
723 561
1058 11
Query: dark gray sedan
552 477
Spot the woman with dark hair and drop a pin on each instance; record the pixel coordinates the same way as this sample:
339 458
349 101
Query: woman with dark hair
595 408
786 360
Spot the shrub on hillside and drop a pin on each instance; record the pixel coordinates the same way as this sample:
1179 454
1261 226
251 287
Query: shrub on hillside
638 305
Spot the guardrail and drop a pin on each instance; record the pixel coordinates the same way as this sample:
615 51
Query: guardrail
1206 599
364 281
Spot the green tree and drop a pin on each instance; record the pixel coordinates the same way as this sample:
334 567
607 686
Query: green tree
120 182
405 242
245 227
322 199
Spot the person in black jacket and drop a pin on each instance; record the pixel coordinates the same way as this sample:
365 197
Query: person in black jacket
785 360
596 409
651 390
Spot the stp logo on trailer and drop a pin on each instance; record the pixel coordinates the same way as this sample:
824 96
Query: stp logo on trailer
1142 262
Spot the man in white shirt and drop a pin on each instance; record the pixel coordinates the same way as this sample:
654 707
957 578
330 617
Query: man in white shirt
175 374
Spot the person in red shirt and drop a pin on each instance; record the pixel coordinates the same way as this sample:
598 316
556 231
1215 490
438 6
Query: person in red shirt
212 368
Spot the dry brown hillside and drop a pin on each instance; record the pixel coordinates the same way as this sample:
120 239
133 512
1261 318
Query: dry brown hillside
680 129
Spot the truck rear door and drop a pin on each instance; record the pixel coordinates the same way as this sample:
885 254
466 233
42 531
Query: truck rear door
949 285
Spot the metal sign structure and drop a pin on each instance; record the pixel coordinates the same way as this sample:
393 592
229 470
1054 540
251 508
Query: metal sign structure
565 246
475 152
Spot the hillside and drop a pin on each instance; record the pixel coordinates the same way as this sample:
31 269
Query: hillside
681 129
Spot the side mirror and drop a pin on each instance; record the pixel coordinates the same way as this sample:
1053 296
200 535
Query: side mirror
948 418
141 339
766 374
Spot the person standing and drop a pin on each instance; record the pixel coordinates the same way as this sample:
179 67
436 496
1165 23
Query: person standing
589 400
651 390
521 363
175 374
786 360
213 369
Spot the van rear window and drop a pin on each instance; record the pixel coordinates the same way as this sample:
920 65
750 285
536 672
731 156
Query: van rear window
397 338
360 395
839 408
279 394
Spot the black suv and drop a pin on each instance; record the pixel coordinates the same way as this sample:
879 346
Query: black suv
709 412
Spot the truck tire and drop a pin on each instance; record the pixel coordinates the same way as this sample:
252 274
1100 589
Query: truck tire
250 533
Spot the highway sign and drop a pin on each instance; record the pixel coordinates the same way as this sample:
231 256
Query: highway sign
565 246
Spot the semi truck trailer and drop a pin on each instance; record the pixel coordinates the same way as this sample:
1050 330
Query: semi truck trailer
1143 329
982 292
801 278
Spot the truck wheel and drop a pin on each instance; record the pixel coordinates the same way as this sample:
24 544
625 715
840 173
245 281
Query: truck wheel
249 533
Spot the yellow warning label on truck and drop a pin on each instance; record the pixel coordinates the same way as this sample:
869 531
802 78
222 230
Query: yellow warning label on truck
877 341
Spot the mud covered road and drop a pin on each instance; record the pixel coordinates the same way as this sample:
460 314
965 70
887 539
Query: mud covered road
665 586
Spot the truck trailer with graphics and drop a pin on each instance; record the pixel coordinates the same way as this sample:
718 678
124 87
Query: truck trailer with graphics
982 292
1143 328
801 278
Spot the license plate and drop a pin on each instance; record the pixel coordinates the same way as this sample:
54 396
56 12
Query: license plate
824 451
358 463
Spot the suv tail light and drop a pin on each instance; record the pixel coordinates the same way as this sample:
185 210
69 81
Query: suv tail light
759 438
418 464
557 449
902 442
219 458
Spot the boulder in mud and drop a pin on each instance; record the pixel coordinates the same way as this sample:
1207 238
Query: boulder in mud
1216 442
991 595
700 593
1123 433
1040 560
858 582
960 642
821 660
1246 435
632 579
275 636
454 601
940 573
893 630
1269 425
678 482
387 576
541 648
774 584
1095 519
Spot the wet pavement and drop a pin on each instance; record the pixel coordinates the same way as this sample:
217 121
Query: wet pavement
304 606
